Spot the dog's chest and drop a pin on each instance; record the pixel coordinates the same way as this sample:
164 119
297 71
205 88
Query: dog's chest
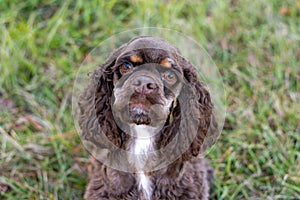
140 148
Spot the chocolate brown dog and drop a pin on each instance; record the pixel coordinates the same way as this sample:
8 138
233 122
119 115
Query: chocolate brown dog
144 99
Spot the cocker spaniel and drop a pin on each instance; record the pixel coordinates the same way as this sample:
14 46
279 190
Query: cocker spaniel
147 102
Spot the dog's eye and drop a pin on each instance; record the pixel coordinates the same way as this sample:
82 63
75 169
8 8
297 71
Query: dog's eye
125 68
170 76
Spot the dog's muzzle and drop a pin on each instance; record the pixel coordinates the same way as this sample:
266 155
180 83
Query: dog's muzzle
146 94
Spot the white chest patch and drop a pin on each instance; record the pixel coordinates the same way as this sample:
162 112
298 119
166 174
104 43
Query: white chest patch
142 145
145 185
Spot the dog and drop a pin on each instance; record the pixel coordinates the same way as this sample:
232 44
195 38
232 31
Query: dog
148 114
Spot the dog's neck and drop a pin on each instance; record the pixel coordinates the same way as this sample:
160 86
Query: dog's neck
140 147
142 140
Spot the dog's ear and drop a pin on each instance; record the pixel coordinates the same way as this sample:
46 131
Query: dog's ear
190 117
204 106
96 118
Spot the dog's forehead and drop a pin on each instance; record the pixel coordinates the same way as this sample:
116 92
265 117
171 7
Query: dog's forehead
147 49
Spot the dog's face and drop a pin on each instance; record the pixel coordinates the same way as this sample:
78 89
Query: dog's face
147 82
146 85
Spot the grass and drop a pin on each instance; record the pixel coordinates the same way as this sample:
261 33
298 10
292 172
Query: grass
255 45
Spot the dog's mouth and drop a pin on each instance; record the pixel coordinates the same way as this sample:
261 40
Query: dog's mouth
139 109
139 114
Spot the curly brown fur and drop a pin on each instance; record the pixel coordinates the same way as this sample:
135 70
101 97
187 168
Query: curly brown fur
189 176
188 180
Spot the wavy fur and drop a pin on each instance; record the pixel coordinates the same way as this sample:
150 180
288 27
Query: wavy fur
188 177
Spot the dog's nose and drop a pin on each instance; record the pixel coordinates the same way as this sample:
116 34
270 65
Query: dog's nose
144 85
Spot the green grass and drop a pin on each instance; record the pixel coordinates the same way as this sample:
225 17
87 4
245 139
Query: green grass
255 45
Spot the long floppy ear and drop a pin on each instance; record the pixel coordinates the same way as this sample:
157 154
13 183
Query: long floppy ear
188 124
96 118
206 121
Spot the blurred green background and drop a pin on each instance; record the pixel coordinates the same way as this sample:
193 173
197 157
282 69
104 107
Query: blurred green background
254 43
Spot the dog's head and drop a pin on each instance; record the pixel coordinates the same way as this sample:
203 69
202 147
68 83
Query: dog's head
146 82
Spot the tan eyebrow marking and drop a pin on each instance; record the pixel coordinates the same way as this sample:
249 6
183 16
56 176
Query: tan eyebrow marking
167 62
136 59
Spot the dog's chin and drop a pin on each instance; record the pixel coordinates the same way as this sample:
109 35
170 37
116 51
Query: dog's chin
139 115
